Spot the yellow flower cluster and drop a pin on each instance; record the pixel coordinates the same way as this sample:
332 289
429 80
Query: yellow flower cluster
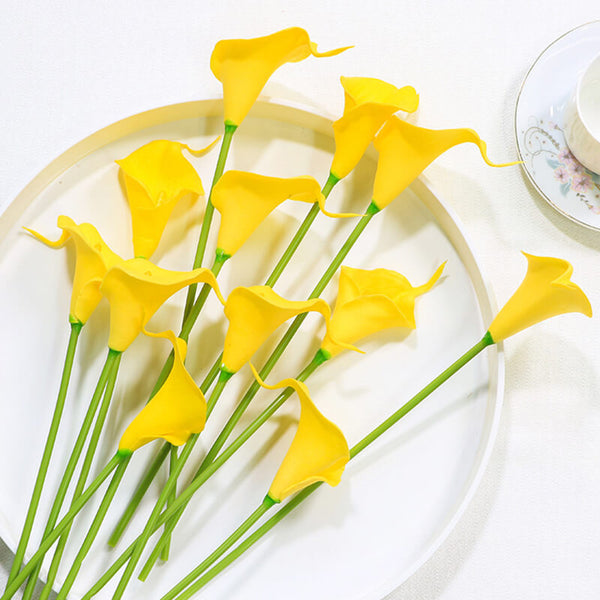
157 175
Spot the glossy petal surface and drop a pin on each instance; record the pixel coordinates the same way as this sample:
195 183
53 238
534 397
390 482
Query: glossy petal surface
175 412
546 291
370 301
368 104
254 313
244 66
157 176
319 451
246 199
405 150
93 258
136 289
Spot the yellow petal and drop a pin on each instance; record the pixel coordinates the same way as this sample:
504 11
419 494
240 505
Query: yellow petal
93 258
244 66
319 451
368 104
246 199
254 313
175 412
371 301
156 176
405 150
136 289
545 292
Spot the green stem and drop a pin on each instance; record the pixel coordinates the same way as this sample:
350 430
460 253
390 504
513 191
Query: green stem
248 542
485 341
151 525
80 486
51 538
364 443
94 528
208 213
318 360
48 448
300 234
192 316
78 447
140 492
167 545
266 504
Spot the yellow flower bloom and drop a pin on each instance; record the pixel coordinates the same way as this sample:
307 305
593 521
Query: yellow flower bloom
246 199
370 301
244 66
405 150
368 104
136 289
175 412
93 258
545 292
254 313
157 176
319 451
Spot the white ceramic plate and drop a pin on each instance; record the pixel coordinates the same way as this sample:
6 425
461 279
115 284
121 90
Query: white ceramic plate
397 501
567 185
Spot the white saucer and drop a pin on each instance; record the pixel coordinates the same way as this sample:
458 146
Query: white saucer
568 186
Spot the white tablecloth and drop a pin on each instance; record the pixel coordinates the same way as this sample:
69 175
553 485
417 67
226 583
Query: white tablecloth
68 68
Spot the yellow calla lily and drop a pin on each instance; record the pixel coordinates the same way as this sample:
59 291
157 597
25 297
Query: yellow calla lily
254 313
93 258
157 176
319 450
244 66
136 289
175 412
246 199
370 301
368 104
405 150
545 292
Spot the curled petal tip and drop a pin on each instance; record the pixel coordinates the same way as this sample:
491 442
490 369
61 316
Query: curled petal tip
205 150
59 243
432 280
321 202
336 51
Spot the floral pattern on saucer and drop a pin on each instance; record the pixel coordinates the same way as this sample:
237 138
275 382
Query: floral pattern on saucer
548 157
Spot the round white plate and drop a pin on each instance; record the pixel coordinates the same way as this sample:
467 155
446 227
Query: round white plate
568 186
396 502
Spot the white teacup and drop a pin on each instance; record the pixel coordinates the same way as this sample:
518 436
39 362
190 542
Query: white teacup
582 118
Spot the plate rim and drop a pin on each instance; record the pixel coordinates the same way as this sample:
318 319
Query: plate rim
299 114
529 175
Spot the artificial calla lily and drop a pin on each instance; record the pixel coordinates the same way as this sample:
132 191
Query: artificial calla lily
254 313
157 176
246 199
175 412
405 150
371 301
546 291
93 258
368 104
136 289
319 450
243 66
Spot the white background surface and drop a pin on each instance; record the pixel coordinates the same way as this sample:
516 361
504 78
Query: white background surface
69 68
